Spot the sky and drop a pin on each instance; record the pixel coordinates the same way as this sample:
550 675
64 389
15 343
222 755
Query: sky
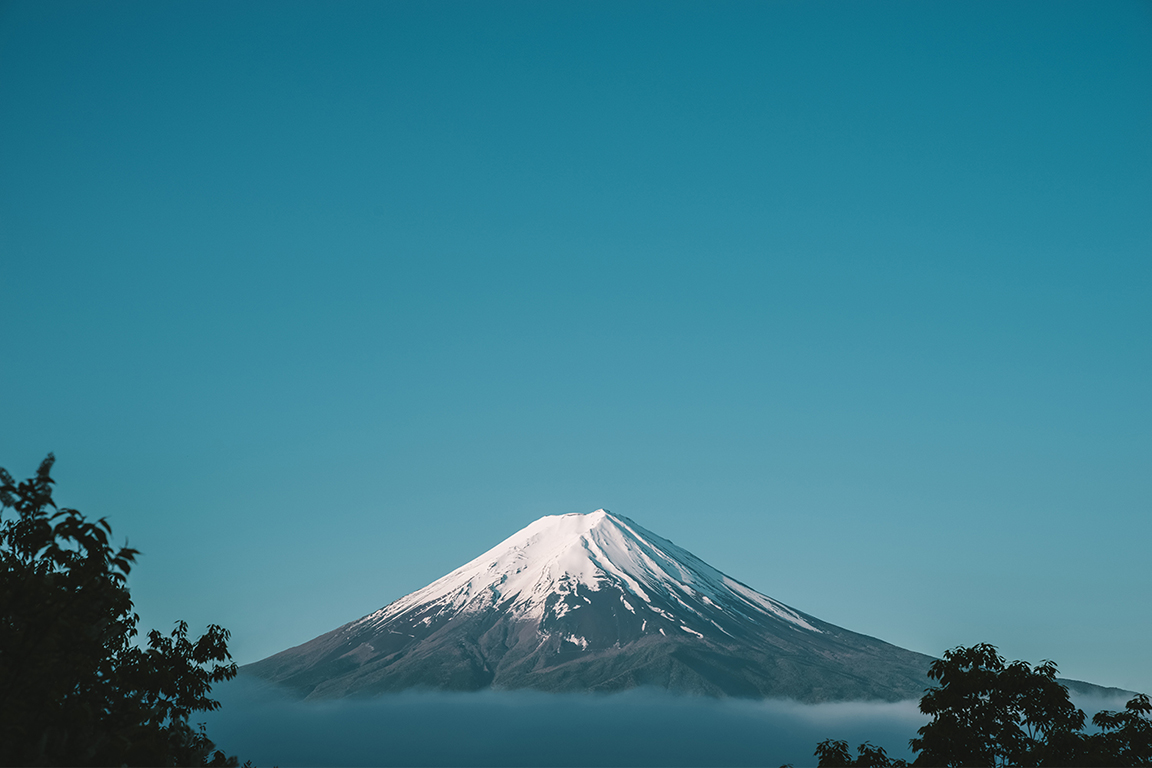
316 302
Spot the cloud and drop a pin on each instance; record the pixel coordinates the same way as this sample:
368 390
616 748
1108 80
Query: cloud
527 728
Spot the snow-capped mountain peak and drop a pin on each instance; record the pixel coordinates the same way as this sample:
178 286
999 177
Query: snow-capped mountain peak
565 555
594 602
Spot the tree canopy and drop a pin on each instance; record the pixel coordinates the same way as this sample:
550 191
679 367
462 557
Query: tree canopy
74 687
986 712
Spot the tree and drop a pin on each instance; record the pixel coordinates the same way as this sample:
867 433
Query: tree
1125 737
74 689
985 712
989 713
834 754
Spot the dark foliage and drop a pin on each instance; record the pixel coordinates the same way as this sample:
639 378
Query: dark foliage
74 689
988 713
1125 737
985 712
834 754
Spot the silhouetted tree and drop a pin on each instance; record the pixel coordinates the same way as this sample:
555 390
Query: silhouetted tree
985 712
989 713
834 754
74 689
1125 737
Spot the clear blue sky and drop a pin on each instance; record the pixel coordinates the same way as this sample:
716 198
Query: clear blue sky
317 301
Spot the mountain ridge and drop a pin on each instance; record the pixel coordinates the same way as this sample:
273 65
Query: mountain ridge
595 602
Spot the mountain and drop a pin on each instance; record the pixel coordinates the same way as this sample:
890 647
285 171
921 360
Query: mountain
595 603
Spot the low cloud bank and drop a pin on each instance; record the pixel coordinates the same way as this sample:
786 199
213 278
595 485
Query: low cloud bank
1092 703
527 728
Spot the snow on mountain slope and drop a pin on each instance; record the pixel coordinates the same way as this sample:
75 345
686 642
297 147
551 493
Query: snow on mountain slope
559 553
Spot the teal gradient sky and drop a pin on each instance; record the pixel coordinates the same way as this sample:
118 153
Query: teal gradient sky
317 301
